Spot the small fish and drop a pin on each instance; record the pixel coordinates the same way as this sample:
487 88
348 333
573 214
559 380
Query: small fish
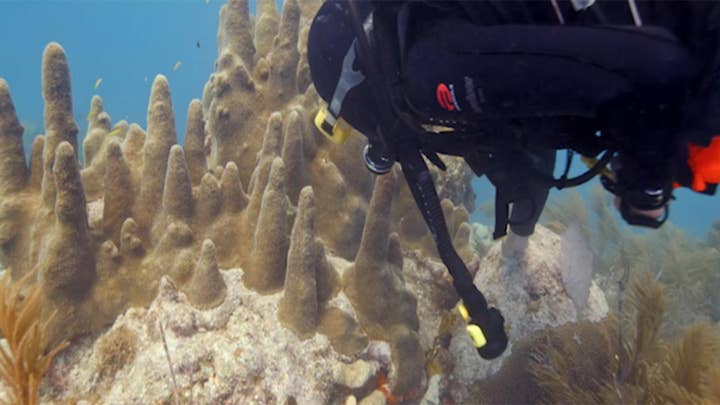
115 131
97 83
177 66
89 116
197 44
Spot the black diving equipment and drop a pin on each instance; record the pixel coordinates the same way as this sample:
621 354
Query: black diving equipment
489 329
395 135
633 202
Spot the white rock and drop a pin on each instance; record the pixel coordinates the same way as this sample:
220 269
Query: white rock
375 398
522 278
356 374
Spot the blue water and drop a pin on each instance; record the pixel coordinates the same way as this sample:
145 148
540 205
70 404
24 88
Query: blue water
127 43
690 211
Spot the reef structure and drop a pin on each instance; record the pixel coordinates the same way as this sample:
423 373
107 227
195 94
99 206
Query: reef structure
273 198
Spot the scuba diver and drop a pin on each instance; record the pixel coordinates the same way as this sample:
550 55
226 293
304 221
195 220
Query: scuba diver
633 87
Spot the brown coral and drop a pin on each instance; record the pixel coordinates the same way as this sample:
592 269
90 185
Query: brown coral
299 306
206 288
266 270
115 350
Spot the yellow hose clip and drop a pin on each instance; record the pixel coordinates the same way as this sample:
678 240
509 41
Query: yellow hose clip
605 171
337 131
475 332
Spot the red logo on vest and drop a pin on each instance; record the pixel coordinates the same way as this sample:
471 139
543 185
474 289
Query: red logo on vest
444 97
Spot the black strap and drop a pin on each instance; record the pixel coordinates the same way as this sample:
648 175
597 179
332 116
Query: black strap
489 319
396 131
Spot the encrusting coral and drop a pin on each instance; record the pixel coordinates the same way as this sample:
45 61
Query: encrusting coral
102 234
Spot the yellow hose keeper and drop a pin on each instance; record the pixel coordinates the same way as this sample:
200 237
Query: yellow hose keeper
476 334
463 312
340 131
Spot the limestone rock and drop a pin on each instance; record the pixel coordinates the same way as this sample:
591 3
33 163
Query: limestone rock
521 277
235 353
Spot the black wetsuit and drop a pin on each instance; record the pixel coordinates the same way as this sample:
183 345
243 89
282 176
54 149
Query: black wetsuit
553 77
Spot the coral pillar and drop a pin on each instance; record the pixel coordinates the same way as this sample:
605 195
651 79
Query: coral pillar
194 142
283 59
59 122
266 272
299 305
206 288
13 172
160 137
67 266
118 193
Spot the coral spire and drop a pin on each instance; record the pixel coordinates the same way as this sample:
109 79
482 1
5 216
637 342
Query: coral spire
96 107
293 157
266 27
118 192
98 127
272 143
177 194
195 142
132 146
206 288
13 172
327 278
160 138
36 163
70 203
256 195
270 243
374 242
68 264
236 31
59 122
209 200
285 56
234 197
298 308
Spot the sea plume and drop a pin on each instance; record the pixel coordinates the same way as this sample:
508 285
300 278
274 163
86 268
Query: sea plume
24 360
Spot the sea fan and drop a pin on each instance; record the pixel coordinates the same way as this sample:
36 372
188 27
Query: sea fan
23 360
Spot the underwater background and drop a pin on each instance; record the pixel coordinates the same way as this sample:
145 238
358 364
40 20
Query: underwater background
126 43
150 272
